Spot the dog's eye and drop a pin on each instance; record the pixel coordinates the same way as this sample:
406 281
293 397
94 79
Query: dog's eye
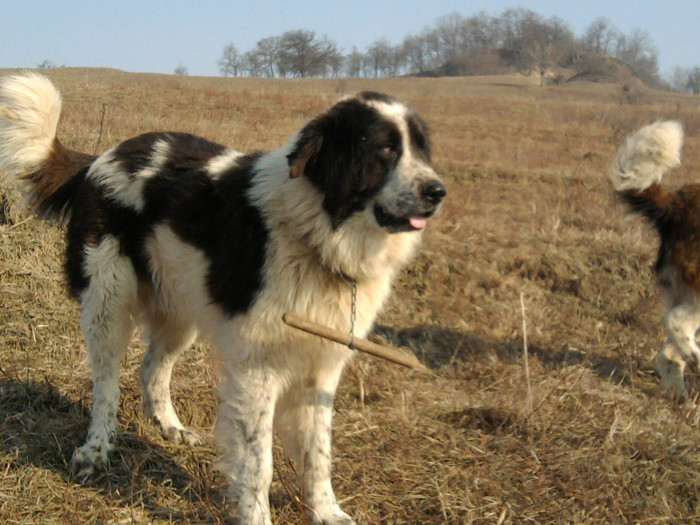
389 149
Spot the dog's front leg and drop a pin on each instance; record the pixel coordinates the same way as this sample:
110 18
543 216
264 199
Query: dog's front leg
316 431
304 421
244 432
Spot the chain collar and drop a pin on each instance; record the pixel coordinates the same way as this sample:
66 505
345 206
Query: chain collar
353 313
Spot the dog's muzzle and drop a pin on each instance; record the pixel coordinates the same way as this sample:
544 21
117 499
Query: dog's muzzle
410 211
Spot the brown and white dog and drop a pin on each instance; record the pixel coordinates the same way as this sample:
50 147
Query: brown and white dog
636 175
187 238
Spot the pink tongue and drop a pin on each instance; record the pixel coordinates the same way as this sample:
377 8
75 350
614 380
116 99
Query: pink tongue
418 222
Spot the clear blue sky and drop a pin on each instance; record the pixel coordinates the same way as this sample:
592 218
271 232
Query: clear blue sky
157 36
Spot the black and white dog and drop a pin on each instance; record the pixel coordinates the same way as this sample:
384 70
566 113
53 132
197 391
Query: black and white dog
188 237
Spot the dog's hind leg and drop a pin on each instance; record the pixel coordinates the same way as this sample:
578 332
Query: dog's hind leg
107 306
304 420
167 342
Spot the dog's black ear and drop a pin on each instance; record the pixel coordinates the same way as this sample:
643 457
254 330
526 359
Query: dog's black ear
306 150
339 153
324 158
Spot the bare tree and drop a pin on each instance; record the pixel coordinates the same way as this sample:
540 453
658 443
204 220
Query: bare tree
679 79
46 64
353 63
303 55
379 58
397 60
230 62
539 45
542 56
480 33
452 37
432 49
599 37
634 46
250 64
518 25
522 38
334 62
266 56
181 70
692 83
448 33
637 51
415 54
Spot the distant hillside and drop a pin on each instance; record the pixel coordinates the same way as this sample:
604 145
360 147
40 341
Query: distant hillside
600 68
588 67
492 62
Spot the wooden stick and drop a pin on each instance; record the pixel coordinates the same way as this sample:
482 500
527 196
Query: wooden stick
363 345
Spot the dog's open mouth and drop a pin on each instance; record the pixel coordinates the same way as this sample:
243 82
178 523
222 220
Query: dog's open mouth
395 224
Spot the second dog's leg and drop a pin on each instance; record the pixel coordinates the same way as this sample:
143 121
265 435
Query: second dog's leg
670 365
682 322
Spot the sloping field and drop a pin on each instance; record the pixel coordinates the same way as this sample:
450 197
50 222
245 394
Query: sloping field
583 434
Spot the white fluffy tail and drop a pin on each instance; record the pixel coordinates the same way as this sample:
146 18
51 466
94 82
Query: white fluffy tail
646 155
29 109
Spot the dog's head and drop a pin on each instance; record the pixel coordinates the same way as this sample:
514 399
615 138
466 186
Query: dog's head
370 152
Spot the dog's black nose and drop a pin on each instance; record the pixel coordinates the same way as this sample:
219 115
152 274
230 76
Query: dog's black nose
434 191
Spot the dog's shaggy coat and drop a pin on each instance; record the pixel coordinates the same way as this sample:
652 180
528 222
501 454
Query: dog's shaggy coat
188 237
637 172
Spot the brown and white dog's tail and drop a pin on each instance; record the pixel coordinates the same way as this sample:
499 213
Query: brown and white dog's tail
641 163
30 107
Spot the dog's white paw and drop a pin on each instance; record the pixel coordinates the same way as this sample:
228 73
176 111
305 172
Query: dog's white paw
671 373
675 386
89 458
175 432
182 435
330 515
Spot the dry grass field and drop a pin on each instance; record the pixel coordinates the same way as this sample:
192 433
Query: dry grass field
583 434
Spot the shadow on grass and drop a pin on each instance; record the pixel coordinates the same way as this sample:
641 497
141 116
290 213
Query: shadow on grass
439 347
40 427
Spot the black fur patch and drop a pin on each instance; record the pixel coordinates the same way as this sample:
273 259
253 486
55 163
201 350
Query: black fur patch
420 139
216 217
60 202
92 218
213 215
186 153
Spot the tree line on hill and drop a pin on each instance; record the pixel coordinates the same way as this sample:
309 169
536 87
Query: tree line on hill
528 41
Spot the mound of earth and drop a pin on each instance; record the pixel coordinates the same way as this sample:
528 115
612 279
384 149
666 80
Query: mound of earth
589 67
